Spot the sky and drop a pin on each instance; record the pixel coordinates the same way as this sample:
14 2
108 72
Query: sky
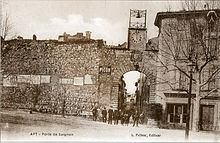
106 19
130 79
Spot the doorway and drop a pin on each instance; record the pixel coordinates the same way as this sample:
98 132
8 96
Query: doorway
207 117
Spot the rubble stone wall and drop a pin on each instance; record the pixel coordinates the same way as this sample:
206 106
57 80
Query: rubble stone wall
76 62
75 76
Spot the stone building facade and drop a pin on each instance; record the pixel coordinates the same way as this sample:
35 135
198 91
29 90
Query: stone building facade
78 36
173 83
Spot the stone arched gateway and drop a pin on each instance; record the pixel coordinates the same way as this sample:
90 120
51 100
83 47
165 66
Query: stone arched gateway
122 60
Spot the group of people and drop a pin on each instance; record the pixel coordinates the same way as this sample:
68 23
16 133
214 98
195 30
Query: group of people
114 116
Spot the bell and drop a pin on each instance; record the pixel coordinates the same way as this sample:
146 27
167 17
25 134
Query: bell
138 15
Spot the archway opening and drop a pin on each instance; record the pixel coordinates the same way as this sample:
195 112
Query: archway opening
134 91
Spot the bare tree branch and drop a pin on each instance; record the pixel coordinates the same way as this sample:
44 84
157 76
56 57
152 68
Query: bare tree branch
209 93
6 26
211 76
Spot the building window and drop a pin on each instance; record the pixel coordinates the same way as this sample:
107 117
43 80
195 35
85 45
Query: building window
211 26
176 113
183 81
212 84
213 47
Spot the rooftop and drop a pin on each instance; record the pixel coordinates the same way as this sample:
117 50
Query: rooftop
173 14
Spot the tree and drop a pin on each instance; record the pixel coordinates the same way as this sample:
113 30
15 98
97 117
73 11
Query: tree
191 39
200 5
7 27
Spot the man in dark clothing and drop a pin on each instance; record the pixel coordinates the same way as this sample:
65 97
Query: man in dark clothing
126 117
121 114
110 113
136 117
63 109
94 112
142 117
104 115
115 117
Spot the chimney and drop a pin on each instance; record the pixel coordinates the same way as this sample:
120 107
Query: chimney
88 35
34 37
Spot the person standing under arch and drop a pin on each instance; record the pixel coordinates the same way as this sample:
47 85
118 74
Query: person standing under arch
110 113
136 116
104 115
115 117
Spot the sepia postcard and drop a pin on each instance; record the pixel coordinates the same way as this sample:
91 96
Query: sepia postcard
110 71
